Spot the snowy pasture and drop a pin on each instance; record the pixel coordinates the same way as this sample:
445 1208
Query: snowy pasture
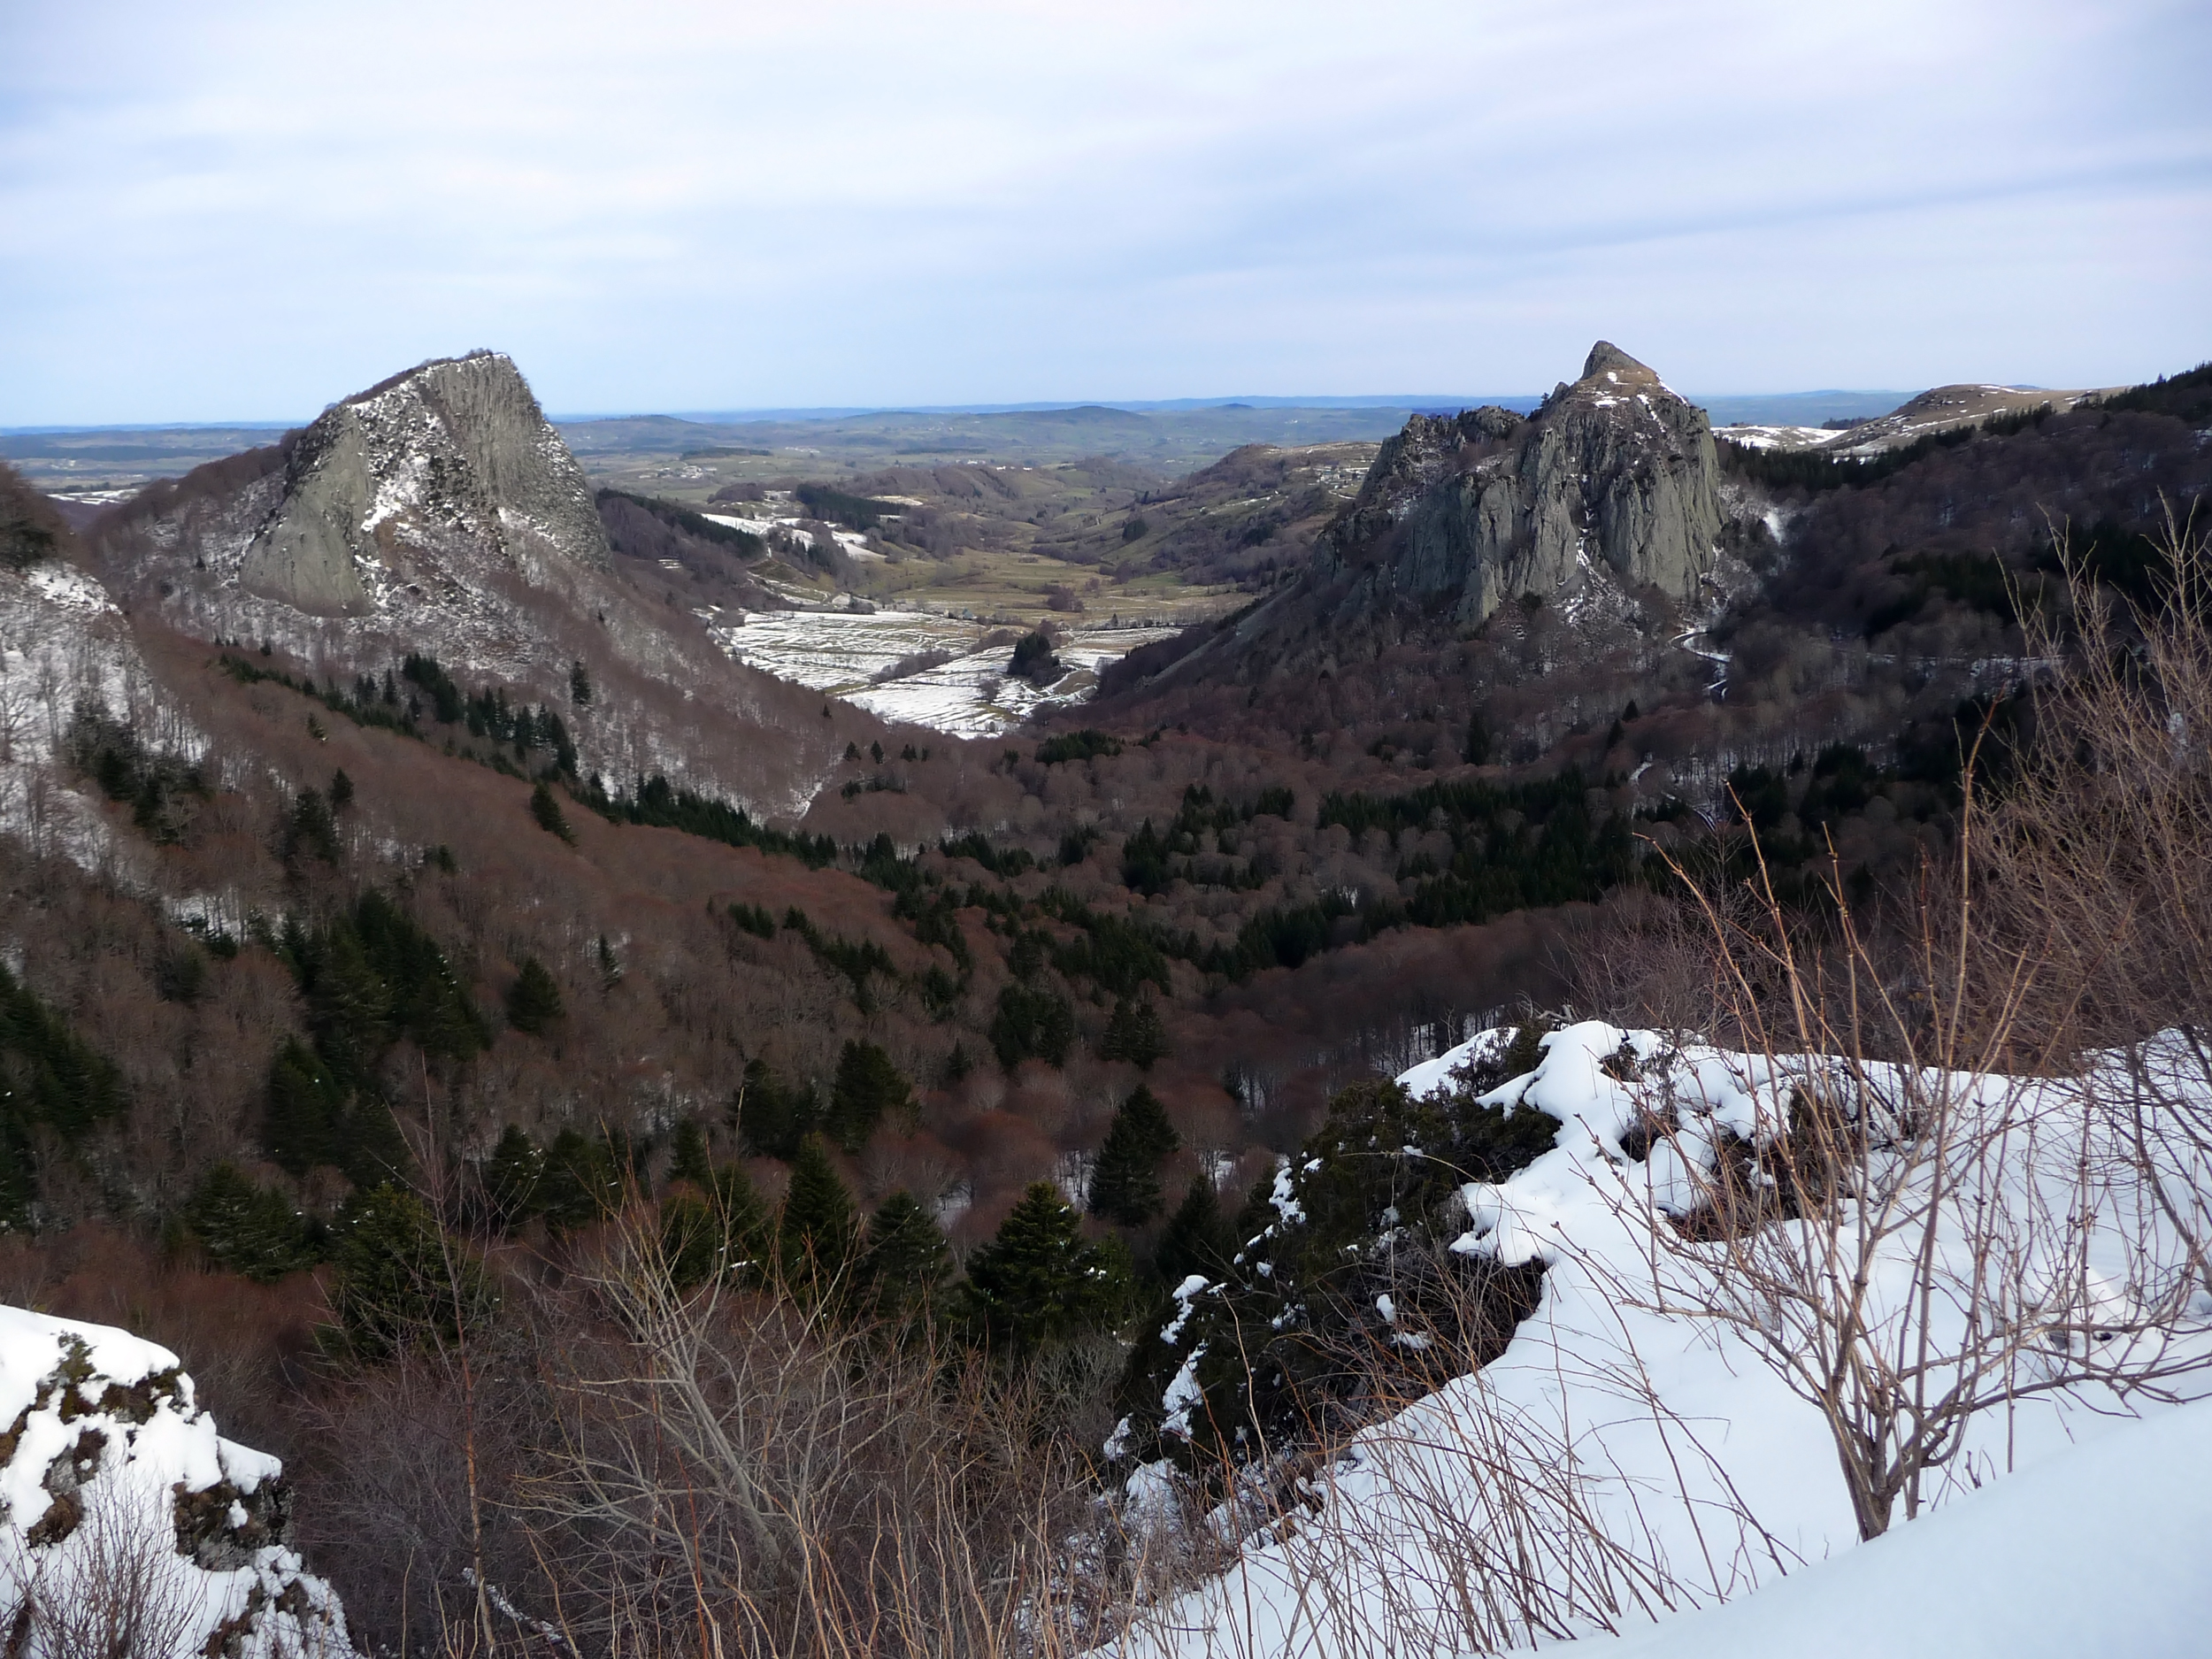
967 693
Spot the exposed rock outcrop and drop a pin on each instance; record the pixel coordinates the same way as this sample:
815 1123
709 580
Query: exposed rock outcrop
1614 470
408 484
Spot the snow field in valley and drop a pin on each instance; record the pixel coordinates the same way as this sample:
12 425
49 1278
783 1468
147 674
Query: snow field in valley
1659 1464
970 695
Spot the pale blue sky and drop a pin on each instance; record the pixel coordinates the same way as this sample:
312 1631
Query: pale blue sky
237 211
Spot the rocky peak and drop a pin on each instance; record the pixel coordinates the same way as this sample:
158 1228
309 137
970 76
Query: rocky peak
1613 474
420 483
1616 365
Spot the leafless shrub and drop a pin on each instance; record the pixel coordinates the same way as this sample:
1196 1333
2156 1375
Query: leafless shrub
2103 851
115 1588
1911 1229
740 1475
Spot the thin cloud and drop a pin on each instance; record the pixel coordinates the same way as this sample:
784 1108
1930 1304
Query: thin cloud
235 210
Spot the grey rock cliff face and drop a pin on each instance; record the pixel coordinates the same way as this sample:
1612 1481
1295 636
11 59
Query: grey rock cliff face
422 483
1614 470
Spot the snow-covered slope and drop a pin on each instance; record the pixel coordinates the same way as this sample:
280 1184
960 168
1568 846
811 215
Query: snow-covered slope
2101 1550
130 1526
65 646
1634 1454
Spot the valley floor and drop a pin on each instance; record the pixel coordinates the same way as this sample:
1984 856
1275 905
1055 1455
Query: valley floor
923 667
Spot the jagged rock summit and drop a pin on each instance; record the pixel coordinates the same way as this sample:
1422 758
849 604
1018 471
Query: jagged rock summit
417 482
1614 470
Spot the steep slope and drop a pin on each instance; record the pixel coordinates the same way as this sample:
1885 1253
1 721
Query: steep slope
1623 1410
131 1526
438 514
66 651
407 482
1607 496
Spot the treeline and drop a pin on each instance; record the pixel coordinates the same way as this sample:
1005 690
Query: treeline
1814 470
486 713
2185 396
52 1084
855 512
640 526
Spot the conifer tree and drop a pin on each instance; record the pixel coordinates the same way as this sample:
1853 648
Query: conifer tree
397 1276
1135 1033
745 1218
247 1229
1040 1281
534 1002
868 1086
511 1175
548 813
1198 1238
310 828
581 1184
1125 1185
772 1117
818 1230
906 1260
688 1160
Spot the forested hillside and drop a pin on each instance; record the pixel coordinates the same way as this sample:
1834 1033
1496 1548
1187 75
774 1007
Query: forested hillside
412 1013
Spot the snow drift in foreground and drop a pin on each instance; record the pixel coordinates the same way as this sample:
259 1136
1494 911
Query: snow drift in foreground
130 1526
1662 1467
2098 1550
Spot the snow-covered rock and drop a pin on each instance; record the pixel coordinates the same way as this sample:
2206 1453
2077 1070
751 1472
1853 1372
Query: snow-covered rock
128 1524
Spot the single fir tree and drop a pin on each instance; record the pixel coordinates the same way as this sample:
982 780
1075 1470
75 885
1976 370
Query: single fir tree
583 1183
773 1117
1125 1185
511 1175
533 1000
1135 1033
867 1089
818 1230
549 815
688 1159
1198 1238
906 1260
1040 1281
397 1277
247 1229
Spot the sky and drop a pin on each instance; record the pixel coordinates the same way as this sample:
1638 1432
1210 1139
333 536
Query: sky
242 211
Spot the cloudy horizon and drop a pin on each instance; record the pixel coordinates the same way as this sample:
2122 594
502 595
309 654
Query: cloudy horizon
244 212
